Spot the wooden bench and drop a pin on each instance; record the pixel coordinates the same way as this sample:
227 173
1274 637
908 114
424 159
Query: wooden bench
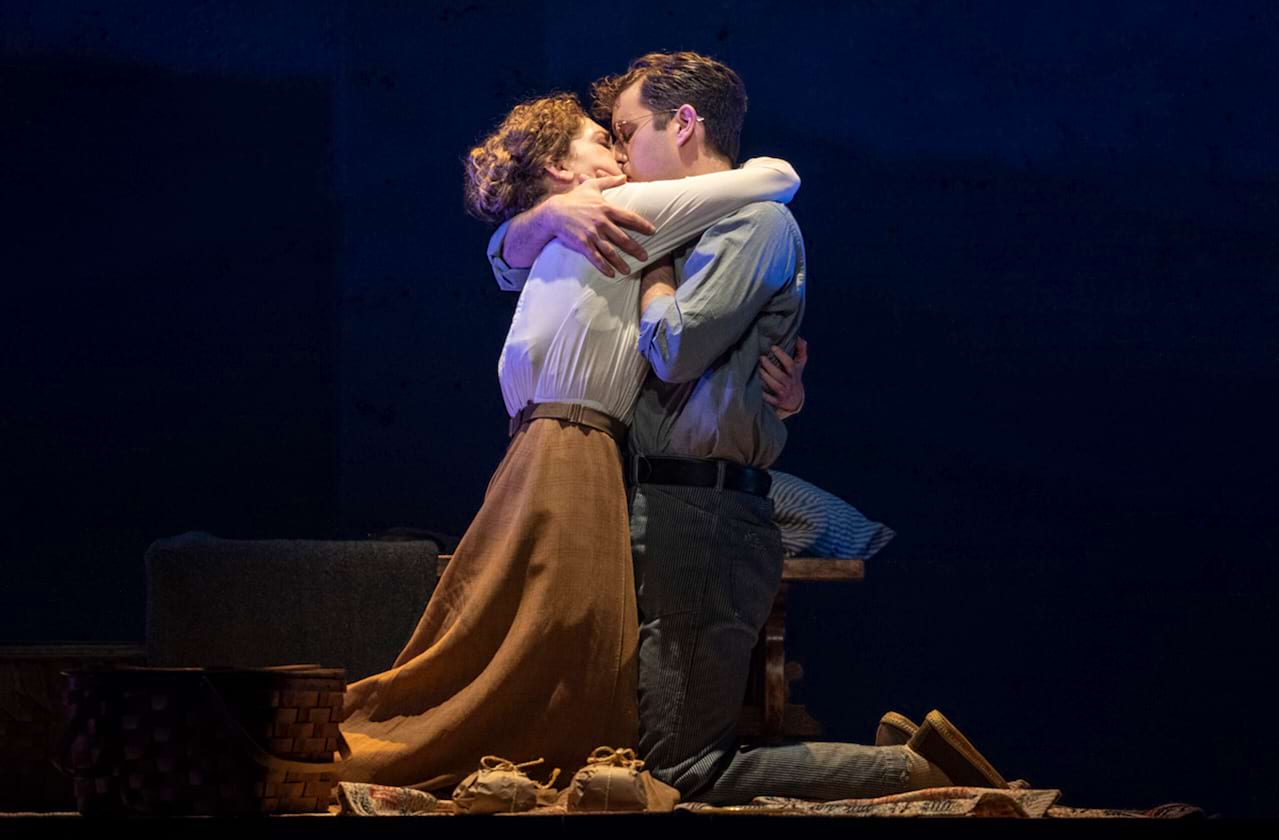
768 715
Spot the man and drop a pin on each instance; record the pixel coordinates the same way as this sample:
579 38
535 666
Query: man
707 556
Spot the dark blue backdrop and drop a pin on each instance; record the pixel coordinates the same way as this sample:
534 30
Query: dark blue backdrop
241 296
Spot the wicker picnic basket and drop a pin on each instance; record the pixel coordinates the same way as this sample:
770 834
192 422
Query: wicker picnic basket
31 692
194 741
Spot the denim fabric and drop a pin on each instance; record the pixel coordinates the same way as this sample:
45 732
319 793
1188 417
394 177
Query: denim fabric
707 566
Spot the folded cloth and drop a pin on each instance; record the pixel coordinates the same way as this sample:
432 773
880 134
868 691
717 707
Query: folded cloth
501 787
614 780
360 799
815 523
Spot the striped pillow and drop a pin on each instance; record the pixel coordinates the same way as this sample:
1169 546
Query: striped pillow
815 523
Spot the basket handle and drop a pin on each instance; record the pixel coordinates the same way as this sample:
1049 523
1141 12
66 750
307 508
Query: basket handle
70 730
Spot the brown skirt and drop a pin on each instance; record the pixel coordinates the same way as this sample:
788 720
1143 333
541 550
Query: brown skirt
527 648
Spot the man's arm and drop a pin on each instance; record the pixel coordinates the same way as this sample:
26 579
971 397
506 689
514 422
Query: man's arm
509 279
737 266
781 374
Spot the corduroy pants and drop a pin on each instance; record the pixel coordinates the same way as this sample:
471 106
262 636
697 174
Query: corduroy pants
707 567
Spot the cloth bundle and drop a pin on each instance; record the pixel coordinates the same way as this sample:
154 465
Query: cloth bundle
614 780
501 787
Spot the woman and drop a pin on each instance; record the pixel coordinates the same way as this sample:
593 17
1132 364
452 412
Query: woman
527 647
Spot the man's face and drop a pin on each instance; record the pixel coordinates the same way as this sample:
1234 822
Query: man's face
645 152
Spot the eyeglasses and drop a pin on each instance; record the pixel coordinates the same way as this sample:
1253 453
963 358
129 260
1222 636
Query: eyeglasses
624 130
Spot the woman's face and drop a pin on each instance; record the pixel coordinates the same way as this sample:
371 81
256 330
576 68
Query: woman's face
590 155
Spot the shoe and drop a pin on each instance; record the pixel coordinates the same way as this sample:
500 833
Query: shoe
941 743
894 730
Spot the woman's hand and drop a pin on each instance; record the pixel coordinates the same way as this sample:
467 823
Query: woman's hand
656 281
784 380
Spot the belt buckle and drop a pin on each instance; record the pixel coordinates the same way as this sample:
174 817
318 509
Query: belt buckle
721 468
575 413
641 469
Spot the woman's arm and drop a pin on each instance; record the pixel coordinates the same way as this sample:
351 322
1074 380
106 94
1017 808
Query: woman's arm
584 222
658 279
581 219
682 208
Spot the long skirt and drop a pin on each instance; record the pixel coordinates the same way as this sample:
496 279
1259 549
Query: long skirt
527 648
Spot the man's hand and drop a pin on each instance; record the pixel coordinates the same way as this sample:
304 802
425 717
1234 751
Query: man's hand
784 380
585 222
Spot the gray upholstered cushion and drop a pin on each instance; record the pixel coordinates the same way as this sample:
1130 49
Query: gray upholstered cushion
346 605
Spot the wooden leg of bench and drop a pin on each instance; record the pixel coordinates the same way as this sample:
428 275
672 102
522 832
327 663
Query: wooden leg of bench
775 686
768 715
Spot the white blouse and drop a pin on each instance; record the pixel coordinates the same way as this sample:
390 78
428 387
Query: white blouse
575 333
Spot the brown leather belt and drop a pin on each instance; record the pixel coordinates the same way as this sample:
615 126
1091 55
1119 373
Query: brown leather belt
573 413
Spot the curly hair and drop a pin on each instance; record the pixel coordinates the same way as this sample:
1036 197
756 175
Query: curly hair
669 80
504 174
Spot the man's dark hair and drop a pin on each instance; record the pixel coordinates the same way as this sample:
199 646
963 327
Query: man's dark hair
669 80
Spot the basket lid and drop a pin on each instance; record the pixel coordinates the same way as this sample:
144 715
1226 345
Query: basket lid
310 671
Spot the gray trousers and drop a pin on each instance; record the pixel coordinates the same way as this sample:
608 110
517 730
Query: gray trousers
707 566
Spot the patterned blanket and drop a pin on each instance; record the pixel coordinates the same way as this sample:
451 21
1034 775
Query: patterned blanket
944 802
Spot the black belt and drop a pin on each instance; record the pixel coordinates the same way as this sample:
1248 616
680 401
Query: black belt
698 472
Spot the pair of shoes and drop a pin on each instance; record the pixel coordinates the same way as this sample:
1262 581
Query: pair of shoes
941 743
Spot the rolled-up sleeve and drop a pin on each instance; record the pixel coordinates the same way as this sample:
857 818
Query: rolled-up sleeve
508 279
736 267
